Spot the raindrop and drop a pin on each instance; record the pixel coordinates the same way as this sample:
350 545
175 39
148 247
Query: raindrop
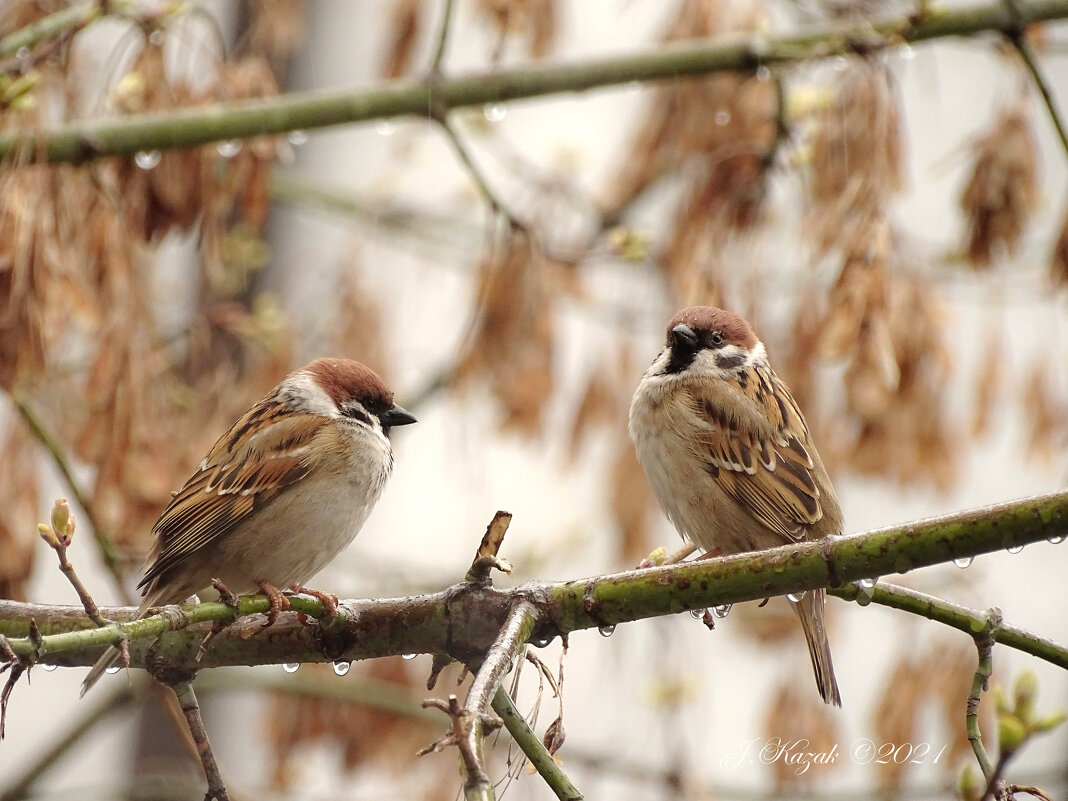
341 667
722 117
147 159
541 642
1056 539
763 74
494 112
49 668
721 611
409 656
840 63
795 597
229 148
964 561
385 127
607 631
864 596
290 667
697 614
906 52
1015 549
867 583
297 138
113 669
23 53
155 38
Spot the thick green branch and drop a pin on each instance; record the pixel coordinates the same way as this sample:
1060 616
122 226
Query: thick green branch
190 127
465 620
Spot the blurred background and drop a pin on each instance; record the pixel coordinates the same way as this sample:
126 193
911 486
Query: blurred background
893 226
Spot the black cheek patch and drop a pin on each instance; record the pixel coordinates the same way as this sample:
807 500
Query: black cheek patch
725 362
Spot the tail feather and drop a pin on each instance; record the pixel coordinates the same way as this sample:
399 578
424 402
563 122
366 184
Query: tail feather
109 659
810 611
112 655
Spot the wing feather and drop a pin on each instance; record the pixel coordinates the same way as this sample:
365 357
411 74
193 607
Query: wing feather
262 453
768 472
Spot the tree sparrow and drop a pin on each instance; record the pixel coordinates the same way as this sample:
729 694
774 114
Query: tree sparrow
729 455
282 493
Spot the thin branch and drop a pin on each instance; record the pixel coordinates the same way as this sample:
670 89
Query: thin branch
62 23
1030 60
443 38
59 459
190 127
464 620
187 699
92 611
501 656
958 617
984 644
533 748
497 206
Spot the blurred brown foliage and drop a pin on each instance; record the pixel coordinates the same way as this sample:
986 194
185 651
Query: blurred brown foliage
1002 191
363 732
20 503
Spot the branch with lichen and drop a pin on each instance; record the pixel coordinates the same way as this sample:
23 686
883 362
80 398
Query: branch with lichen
464 621
189 127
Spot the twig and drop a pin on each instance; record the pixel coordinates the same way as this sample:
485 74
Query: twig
1017 36
497 206
58 537
443 38
533 748
984 644
953 615
486 558
191 127
498 662
1012 789
59 458
65 23
187 699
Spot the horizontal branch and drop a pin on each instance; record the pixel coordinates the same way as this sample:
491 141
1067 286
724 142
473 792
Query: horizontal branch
464 621
189 127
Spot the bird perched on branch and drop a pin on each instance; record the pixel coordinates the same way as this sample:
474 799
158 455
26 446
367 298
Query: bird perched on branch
282 493
729 455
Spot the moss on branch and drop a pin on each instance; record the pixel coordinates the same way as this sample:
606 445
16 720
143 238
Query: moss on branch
465 620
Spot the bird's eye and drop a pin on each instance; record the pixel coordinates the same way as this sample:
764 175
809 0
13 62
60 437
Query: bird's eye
716 339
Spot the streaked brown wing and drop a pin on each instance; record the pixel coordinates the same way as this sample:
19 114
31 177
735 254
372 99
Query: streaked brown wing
259 456
770 475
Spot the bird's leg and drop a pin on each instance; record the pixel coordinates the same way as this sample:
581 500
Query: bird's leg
227 597
328 600
279 602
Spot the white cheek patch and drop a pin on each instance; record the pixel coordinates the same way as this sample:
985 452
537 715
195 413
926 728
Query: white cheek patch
309 396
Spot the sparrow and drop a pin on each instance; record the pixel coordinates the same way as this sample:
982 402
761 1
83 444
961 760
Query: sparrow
280 494
729 455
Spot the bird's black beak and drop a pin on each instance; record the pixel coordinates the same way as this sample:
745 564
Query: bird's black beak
683 337
396 416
